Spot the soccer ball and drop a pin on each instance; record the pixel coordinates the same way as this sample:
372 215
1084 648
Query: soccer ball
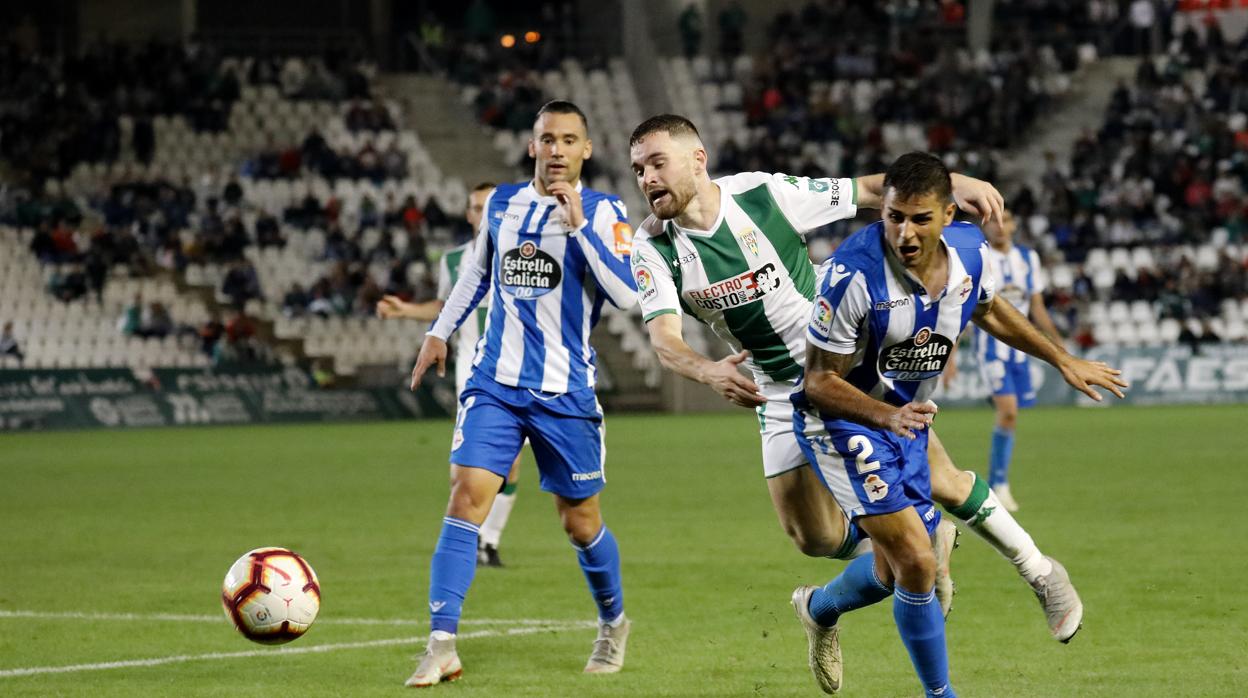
271 595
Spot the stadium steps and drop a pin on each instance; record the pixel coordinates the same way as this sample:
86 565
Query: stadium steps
1084 108
459 144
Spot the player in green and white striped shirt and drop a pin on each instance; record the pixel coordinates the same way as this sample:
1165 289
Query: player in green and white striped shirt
466 340
732 253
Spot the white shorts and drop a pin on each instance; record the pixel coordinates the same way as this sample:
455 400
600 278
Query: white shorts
781 452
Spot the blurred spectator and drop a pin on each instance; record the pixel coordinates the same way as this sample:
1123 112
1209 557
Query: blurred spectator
68 285
130 323
691 30
156 321
210 334
8 343
732 21
295 302
241 284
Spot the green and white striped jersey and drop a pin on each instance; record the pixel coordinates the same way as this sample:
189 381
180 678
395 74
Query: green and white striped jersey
472 328
749 278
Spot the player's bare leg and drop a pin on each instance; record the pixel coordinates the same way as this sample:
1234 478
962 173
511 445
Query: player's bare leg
599 558
472 493
1006 409
809 514
496 521
969 499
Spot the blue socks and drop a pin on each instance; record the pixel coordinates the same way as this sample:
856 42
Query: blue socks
855 587
600 561
452 567
999 456
922 631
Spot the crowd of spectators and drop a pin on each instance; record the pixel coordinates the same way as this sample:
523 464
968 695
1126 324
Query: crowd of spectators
315 156
1167 168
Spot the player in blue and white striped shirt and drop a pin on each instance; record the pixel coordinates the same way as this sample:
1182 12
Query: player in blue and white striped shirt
555 252
1006 370
891 301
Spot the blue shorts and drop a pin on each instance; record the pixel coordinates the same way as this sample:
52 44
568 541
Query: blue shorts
868 471
565 432
1010 378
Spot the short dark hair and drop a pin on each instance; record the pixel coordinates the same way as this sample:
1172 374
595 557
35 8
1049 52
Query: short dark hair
483 186
917 174
673 124
563 106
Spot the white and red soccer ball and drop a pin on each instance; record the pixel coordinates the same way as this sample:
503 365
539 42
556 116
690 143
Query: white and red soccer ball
271 595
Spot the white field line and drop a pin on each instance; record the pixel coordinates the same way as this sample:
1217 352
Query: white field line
213 618
305 649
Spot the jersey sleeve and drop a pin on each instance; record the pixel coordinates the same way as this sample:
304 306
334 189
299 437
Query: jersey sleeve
987 278
839 309
656 289
444 278
809 203
473 284
1039 280
607 242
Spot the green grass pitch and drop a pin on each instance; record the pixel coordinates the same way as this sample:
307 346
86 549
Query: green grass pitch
1145 506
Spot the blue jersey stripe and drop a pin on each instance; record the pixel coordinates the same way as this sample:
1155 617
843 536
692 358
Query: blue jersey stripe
534 362
496 318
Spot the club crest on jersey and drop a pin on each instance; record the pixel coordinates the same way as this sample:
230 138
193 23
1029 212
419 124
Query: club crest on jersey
965 289
921 357
528 272
750 238
739 290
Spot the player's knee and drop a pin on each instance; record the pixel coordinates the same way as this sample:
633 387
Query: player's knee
813 544
581 525
1007 417
914 565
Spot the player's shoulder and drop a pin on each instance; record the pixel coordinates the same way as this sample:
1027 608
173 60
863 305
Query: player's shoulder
963 235
649 229
507 191
863 250
744 181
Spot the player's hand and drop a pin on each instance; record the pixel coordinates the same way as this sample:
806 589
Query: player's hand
1082 375
569 204
951 370
911 417
726 380
432 351
391 307
978 197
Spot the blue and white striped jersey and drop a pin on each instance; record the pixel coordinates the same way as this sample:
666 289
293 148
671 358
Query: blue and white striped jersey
868 305
549 284
1018 277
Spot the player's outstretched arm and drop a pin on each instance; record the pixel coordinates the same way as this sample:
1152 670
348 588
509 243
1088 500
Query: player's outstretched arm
473 284
606 251
432 351
837 398
1002 321
972 195
722 376
390 307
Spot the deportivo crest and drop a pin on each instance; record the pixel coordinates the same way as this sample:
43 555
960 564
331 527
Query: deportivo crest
918 358
750 239
528 272
875 487
965 289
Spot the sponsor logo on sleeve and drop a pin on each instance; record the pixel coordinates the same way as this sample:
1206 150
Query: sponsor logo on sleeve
623 234
821 316
645 283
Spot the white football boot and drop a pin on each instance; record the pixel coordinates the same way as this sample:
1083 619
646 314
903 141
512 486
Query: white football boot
1062 608
439 663
823 644
944 540
607 656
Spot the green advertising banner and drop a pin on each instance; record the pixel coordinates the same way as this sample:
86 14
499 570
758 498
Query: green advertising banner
67 399
1158 376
